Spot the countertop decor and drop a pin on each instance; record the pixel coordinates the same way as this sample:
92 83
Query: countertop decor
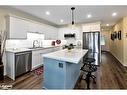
3 37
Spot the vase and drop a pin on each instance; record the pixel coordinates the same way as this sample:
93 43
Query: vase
1 72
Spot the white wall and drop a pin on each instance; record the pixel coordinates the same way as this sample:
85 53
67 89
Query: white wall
69 29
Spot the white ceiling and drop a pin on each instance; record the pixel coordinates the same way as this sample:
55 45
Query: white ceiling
99 13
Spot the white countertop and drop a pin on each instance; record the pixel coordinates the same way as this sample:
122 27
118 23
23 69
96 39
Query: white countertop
74 56
16 50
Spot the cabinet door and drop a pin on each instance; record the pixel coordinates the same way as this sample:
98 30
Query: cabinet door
17 28
35 59
51 33
37 56
86 28
32 27
95 27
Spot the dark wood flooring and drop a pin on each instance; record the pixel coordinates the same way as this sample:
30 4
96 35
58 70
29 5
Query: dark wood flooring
110 75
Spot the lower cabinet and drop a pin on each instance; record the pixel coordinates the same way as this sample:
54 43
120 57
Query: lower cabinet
37 59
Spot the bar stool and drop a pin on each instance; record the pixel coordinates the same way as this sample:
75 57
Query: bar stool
88 67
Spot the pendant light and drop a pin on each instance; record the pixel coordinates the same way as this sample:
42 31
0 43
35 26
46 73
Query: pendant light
72 9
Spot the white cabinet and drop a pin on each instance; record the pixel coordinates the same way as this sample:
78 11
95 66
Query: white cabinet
91 27
17 28
86 28
32 27
50 32
95 27
37 59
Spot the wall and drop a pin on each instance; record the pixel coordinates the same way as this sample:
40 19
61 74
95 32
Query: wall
118 47
125 40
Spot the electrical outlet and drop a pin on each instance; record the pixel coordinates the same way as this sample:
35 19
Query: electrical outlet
61 65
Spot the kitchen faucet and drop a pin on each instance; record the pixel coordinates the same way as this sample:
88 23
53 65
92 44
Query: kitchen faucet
34 42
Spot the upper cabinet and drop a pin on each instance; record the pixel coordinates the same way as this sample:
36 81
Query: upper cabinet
50 32
91 27
16 28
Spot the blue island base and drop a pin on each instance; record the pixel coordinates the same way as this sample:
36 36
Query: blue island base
60 74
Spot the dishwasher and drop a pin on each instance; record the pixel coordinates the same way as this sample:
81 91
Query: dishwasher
23 62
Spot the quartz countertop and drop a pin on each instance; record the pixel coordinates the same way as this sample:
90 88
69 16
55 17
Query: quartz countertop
73 56
16 50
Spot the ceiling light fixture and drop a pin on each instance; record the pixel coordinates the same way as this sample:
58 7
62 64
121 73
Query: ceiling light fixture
89 16
72 9
61 20
114 14
47 13
107 24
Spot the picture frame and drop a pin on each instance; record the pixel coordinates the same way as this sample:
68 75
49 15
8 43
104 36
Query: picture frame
115 35
119 35
112 36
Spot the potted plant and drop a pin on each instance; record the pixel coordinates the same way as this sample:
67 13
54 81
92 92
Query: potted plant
2 48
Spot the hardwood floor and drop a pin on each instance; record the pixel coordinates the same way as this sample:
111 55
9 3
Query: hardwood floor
27 81
110 75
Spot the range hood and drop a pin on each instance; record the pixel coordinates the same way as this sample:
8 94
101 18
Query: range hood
69 35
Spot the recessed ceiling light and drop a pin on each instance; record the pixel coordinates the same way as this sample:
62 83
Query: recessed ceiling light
114 14
47 13
107 24
61 20
89 16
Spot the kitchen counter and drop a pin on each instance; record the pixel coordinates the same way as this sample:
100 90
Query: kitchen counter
73 56
16 50
62 68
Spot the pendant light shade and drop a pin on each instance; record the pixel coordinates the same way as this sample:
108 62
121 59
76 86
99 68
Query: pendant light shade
73 8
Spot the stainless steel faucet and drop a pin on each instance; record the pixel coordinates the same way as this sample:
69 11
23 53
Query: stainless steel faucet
34 43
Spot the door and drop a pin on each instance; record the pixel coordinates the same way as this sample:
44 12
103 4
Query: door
105 38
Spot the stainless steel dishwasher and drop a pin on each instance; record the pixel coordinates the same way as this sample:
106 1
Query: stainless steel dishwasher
23 62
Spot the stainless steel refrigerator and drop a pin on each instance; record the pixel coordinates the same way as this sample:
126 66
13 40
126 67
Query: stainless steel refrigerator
91 41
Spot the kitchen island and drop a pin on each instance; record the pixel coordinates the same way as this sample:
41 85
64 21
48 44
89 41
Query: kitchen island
62 68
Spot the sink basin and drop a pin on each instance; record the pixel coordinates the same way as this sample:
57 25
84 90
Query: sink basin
35 47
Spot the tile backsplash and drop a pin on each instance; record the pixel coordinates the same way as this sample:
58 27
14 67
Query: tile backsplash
28 43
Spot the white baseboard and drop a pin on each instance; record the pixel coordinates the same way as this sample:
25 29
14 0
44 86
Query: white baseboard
36 67
125 65
118 59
